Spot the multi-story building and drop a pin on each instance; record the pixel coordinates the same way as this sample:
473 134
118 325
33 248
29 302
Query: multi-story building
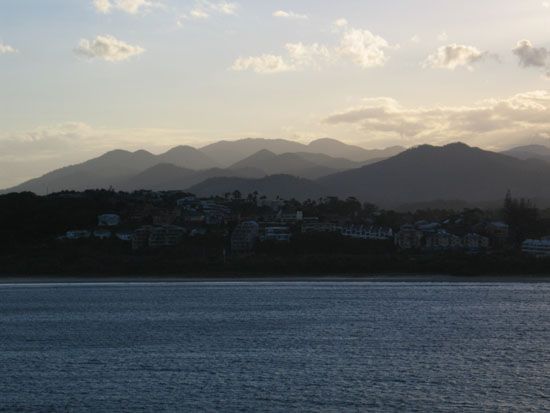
409 237
475 242
244 237
536 247
442 240
140 238
279 234
367 233
308 227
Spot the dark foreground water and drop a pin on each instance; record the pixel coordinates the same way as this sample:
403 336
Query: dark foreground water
275 347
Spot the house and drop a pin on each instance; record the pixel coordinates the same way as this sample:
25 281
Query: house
279 234
102 234
125 236
290 218
498 232
77 234
244 237
108 220
442 240
536 247
367 233
408 237
475 242
308 227
140 238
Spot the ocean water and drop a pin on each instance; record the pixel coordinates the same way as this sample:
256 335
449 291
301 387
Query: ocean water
278 346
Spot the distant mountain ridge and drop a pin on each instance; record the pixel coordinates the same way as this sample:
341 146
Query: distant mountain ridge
530 152
127 170
454 172
451 172
229 152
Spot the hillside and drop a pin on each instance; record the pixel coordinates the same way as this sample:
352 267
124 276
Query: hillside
123 169
286 163
168 177
451 172
530 152
285 186
187 157
115 168
102 172
230 152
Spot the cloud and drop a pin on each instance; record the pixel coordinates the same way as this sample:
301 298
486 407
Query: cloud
415 39
6 48
530 56
127 6
290 15
299 56
493 123
340 23
453 56
266 63
204 9
361 47
108 48
199 14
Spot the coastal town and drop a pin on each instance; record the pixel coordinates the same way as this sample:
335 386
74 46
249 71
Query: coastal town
164 220
174 232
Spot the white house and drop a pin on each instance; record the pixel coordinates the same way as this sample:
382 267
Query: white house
536 247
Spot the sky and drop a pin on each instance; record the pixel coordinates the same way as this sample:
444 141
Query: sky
80 77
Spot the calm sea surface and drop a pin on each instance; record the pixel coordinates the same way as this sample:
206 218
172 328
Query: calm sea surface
275 347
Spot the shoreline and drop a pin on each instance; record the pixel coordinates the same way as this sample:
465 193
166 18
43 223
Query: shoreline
383 278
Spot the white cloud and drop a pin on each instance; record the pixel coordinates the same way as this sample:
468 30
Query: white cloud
493 123
266 63
6 48
546 4
204 9
108 48
299 56
103 6
453 56
199 14
415 39
127 6
340 23
531 56
289 15
361 47
224 7
364 48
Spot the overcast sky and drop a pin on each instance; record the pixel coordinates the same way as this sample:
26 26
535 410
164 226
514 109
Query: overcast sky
79 77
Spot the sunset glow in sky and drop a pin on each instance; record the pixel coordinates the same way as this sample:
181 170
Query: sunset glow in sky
80 77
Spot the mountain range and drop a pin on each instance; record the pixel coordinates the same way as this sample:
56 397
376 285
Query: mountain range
391 177
184 166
